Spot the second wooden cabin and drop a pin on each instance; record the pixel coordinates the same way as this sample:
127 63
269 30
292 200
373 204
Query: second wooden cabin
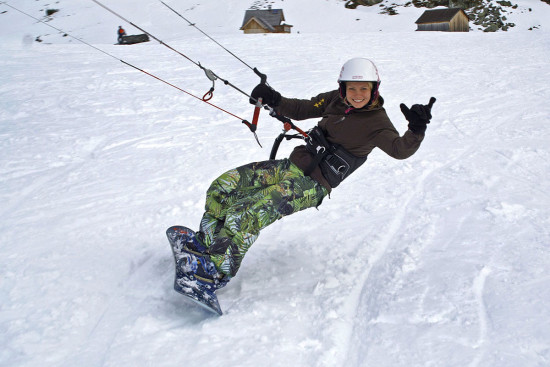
444 20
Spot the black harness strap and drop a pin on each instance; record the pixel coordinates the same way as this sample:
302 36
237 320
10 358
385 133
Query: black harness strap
318 145
335 162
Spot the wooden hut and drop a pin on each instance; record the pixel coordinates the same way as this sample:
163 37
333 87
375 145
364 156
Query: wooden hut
445 20
265 21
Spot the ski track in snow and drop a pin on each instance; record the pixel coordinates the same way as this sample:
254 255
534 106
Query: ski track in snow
478 288
438 260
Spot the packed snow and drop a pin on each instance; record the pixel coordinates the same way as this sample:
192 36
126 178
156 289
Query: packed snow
438 260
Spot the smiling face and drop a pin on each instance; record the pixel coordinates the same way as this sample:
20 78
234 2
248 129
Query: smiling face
358 93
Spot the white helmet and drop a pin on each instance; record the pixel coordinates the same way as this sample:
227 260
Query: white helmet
359 70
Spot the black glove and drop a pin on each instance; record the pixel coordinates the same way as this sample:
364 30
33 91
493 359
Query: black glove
418 116
268 95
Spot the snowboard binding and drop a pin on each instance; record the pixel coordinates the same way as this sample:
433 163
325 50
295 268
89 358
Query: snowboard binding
196 275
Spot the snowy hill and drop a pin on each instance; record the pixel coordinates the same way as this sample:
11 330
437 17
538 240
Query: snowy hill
438 260
87 20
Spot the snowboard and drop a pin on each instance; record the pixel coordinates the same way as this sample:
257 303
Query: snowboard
184 281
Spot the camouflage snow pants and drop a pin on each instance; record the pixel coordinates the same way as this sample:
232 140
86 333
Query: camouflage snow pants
244 200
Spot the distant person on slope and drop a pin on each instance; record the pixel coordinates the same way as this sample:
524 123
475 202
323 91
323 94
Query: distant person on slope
244 200
121 32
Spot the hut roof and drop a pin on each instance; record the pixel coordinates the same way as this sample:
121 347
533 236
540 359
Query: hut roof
438 15
268 18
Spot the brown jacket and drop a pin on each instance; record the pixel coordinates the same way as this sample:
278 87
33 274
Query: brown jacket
358 131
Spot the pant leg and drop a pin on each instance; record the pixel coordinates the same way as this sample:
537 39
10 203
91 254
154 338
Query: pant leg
270 191
229 188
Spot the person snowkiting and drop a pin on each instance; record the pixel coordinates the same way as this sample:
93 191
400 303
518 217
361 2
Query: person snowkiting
244 200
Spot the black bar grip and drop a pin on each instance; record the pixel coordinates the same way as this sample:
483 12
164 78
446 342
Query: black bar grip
263 77
276 144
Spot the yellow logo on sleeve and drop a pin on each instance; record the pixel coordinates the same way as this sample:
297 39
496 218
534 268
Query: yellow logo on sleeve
320 103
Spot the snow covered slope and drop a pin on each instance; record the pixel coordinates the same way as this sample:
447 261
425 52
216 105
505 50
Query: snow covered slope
438 260
89 21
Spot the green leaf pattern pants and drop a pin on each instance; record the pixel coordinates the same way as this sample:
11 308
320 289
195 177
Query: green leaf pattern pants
244 200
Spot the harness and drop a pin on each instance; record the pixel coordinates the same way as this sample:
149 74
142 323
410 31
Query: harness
336 163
